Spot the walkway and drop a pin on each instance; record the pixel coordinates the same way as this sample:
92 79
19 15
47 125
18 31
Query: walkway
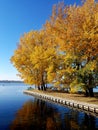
88 107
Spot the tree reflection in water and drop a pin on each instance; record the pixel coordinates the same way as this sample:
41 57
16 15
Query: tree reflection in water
76 120
36 115
41 115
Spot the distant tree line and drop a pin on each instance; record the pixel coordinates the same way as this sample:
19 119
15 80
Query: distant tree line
10 81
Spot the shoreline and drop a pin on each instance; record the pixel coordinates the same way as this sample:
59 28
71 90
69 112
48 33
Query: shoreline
78 105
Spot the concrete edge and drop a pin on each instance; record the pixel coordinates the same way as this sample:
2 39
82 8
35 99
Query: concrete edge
71 103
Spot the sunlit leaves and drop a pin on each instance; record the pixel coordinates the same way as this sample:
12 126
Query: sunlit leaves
64 51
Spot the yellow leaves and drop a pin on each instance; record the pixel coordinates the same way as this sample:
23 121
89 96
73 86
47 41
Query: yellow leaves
68 57
70 70
50 54
51 77
50 69
57 84
92 65
59 51
23 58
38 53
96 17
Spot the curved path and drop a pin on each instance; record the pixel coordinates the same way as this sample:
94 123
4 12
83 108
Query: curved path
88 107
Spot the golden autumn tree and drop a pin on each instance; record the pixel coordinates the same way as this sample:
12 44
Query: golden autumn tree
56 29
45 60
64 52
33 57
39 60
52 33
75 29
21 57
83 44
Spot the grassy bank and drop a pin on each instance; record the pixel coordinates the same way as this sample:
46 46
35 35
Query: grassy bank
76 97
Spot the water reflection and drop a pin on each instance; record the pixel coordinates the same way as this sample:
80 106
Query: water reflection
41 115
36 115
76 120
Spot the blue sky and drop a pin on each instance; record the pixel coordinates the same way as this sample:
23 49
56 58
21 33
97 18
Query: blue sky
16 18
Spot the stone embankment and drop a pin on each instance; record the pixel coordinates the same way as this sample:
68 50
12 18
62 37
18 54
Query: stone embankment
89 108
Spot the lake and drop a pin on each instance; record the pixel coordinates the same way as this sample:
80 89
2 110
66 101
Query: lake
19 111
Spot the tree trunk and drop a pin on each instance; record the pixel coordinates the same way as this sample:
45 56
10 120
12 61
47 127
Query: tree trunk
90 89
91 93
43 84
86 93
41 87
44 88
46 85
38 87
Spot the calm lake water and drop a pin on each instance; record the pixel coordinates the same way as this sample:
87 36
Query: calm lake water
19 111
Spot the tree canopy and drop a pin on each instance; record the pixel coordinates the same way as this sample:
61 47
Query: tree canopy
64 52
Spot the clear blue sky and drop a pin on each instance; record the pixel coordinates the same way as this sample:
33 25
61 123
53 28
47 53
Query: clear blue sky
17 17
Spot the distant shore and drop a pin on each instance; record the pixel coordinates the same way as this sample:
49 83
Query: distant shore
11 81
